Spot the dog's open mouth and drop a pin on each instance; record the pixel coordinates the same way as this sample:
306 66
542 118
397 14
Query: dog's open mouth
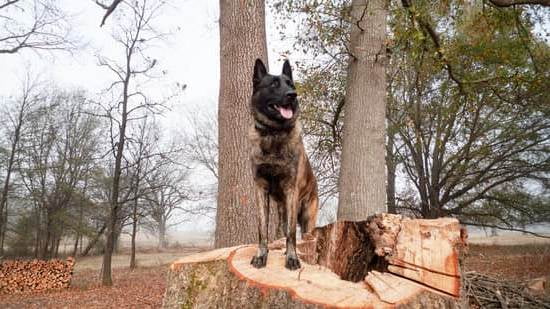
285 110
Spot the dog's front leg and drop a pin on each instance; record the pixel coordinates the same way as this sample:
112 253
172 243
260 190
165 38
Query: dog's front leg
262 198
282 226
292 262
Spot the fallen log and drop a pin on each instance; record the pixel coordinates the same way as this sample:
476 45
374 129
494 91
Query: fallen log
386 261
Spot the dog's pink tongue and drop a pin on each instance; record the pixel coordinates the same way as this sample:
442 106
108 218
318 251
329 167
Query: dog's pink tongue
285 112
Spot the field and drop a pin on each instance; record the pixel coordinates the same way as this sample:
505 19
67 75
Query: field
144 287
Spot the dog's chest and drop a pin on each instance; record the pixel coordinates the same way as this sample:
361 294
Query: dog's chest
274 156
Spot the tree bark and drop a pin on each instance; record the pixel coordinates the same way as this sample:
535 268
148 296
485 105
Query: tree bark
390 173
75 247
57 244
242 40
3 229
162 234
37 232
362 173
134 232
375 263
113 215
92 243
135 217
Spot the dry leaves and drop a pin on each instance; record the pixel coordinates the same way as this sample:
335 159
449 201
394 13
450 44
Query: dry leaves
141 288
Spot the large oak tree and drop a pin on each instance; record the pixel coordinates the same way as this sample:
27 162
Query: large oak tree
362 173
242 40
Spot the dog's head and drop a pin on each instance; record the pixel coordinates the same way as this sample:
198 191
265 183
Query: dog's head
274 104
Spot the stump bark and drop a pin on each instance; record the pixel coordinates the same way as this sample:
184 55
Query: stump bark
384 262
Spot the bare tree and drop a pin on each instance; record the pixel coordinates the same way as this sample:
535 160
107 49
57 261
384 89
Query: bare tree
133 35
142 156
33 24
139 153
167 198
201 144
200 152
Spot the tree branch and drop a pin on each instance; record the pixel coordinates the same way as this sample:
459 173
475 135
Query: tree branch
110 9
509 3
504 228
8 3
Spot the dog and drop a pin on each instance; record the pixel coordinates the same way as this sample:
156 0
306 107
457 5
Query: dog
282 172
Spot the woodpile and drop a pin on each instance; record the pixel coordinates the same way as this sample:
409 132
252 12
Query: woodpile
385 262
21 276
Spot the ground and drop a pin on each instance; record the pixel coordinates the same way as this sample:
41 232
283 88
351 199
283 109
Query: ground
140 288
144 287
516 262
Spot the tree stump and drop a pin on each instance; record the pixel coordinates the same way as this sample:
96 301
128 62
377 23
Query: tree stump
386 261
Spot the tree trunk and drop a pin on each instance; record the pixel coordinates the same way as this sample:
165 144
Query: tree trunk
3 229
113 215
134 232
390 166
162 234
80 245
57 244
94 241
242 40
385 261
78 240
362 174
135 217
46 241
75 247
118 233
37 231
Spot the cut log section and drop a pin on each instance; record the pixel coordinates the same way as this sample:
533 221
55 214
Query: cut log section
384 262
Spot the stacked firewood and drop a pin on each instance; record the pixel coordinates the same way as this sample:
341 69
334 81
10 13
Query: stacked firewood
20 276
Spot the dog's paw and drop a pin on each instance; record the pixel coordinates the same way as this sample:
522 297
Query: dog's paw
292 262
259 261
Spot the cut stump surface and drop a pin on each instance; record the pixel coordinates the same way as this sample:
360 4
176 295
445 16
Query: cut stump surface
387 261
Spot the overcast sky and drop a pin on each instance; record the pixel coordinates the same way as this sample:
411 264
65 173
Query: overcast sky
190 56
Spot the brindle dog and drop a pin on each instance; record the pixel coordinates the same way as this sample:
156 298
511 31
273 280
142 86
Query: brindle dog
281 169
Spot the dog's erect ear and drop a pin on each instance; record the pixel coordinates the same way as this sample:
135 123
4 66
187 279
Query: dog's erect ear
287 70
259 72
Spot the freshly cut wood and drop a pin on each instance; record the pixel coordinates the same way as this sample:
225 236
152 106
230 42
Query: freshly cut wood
426 252
378 263
390 288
